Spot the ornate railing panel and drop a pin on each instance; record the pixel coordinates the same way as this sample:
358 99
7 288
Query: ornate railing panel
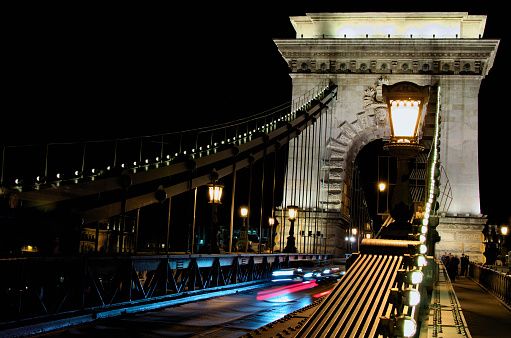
496 282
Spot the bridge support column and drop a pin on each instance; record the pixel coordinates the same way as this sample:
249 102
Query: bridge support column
461 235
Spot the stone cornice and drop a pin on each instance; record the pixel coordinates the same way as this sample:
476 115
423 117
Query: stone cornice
482 51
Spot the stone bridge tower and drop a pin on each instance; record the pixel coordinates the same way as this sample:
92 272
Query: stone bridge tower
361 52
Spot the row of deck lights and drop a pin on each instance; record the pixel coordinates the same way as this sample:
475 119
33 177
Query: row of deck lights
95 172
406 324
434 168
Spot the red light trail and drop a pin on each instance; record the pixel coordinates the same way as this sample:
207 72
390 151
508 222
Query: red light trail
263 295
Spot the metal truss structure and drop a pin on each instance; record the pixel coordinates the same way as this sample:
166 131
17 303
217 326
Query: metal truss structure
44 289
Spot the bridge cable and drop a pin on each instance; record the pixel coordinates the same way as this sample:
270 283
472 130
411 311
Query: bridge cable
302 190
303 165
262 202
284 196
317 126
310 136
328 179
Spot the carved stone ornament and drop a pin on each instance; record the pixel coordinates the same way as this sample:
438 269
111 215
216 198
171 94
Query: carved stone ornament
369 97
374 95
381 116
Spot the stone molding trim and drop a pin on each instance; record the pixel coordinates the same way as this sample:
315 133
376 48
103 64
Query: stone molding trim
390 56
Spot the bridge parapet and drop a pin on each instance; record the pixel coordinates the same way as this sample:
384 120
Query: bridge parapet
496 282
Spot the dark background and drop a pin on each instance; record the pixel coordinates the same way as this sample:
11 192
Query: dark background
82 72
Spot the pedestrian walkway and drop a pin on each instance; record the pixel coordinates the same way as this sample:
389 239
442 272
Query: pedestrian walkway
485 315
445 319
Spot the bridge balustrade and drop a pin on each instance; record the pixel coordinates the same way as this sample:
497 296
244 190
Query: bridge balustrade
496 282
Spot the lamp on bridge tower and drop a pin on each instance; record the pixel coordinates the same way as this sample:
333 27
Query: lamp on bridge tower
405 101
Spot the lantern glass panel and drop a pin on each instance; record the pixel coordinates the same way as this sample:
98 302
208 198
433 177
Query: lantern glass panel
404 116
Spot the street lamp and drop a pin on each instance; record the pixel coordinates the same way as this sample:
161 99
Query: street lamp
503 231
292 212
404 126
271 223
243 241
404 102
215 195
290 246
381 186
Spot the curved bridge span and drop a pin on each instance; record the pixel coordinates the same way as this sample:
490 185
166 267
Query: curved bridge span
103 193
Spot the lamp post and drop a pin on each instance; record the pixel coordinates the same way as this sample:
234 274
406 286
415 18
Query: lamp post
242 243
215 195
271 223
404 102
290 245
502 240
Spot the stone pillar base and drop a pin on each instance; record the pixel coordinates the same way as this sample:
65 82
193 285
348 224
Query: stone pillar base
329 241
461 235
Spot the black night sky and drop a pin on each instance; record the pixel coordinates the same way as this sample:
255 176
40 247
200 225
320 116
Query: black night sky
101 72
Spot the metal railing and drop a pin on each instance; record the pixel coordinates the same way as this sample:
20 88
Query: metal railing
496 282
47 288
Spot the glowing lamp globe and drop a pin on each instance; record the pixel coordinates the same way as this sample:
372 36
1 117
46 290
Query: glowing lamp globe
292 212
244 212
404 118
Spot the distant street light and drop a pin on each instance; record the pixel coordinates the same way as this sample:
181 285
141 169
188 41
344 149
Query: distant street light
504 230
382 186
244 213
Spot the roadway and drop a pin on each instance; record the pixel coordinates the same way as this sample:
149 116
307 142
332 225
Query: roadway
226 316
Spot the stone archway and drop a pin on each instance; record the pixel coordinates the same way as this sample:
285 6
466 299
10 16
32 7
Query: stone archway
351 136
347 133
